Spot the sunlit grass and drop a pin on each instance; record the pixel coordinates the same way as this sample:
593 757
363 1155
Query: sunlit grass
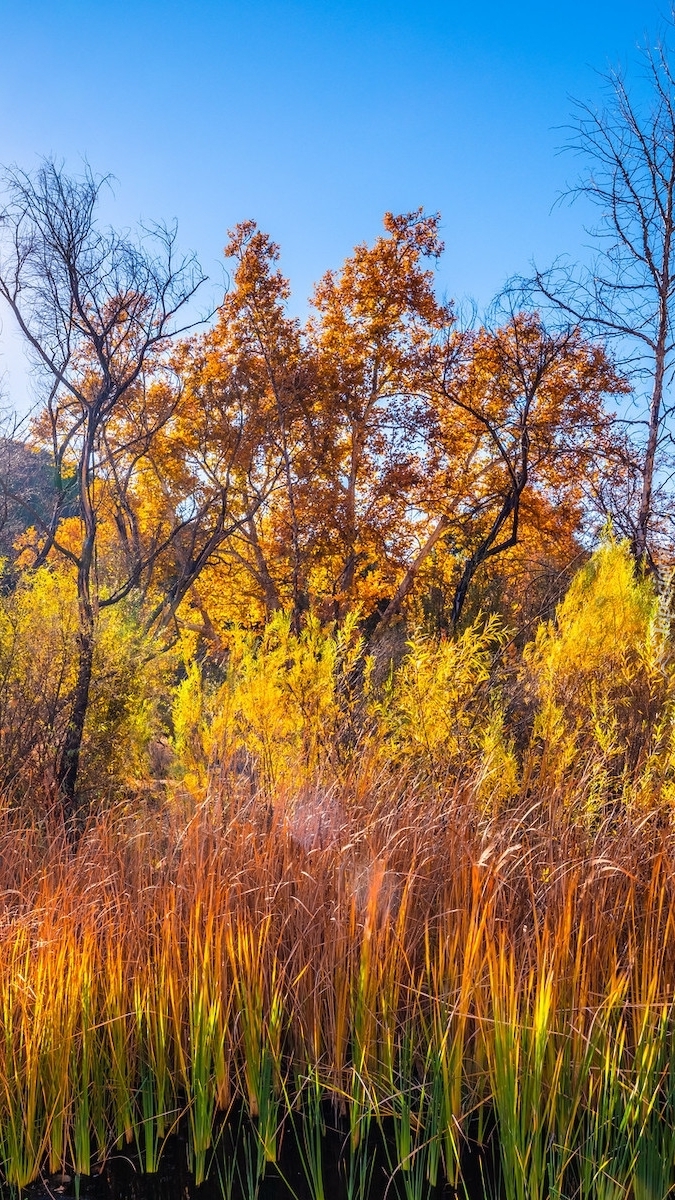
419 969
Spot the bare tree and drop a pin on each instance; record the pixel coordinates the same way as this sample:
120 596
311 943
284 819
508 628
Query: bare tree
94 307
628 293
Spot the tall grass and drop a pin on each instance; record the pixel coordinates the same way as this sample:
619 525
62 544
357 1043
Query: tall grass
417 969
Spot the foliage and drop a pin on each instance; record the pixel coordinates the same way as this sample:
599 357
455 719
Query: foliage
132 673
602 679
437 711
38 665
282 707
38 628
379 431
419 897
417 966
590 700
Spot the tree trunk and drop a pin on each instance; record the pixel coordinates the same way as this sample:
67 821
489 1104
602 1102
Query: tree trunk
489 547
645 510
261 571
69 764
394 607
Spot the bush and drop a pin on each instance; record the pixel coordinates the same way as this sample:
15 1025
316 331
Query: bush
38 658
601 680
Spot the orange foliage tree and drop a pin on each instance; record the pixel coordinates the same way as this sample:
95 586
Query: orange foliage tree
380 432
527 405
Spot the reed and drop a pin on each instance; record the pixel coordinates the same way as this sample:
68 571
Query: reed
421 971
309 1129
22 1117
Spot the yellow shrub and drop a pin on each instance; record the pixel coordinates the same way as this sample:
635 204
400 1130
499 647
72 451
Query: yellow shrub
438 713
131 674
38 662
596 675
38 626
280 710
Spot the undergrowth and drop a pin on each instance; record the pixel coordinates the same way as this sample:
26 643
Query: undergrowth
432 903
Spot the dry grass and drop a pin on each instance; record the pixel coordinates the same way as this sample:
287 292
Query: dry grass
404 957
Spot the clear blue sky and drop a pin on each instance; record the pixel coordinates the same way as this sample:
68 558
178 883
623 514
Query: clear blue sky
315 117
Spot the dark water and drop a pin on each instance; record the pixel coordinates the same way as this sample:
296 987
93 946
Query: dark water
121 1177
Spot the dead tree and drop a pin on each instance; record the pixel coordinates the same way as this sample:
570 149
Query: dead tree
628 293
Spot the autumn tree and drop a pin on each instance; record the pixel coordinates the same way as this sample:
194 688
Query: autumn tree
439 436
381 433
532 403
334 408
94 308
250 372
373 324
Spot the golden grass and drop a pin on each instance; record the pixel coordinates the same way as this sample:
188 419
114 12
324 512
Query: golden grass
412 962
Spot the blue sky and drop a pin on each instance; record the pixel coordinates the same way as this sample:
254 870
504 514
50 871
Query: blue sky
314 118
